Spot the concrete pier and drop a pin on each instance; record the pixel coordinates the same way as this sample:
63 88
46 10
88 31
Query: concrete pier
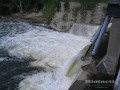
109 63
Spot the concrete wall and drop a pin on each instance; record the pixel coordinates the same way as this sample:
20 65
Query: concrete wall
64 20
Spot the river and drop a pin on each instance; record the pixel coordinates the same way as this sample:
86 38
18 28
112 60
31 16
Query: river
37 58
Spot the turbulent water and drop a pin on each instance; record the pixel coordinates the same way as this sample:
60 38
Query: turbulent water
36 58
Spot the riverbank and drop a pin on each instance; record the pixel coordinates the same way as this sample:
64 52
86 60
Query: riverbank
62 19
30 17
26 17
34 20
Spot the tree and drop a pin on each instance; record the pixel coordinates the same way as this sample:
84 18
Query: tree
18 4
49 10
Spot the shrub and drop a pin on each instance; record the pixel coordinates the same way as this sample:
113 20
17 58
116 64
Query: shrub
66 6
49 10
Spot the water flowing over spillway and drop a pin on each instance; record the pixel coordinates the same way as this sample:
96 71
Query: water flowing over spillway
49 52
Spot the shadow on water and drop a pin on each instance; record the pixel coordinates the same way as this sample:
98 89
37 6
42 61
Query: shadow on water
13 70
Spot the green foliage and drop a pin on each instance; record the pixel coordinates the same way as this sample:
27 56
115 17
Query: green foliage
6 7
58 4
104 9
86 5
75 11
64 18
83 15
49 10
66 6
49 7
12 6
97 1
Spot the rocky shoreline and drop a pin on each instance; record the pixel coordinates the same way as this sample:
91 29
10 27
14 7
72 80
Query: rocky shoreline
62 20
34 21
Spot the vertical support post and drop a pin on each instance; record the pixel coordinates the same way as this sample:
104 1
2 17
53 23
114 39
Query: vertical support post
108 64
103 30
95 37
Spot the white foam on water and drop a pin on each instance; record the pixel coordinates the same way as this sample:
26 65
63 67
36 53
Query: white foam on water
52 50
84 30
2 59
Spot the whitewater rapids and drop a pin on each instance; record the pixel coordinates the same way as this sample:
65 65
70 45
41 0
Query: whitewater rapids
54 51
